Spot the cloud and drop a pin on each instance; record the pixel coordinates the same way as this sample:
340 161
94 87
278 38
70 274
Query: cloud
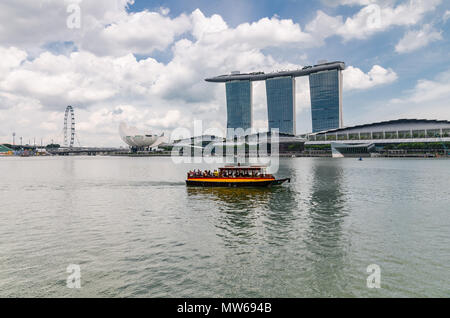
141 33
107 28
428 99
373 18
428 91
416 39
50 126
202 25
216 49
36 23
355 79
81 78
355 2
324 25
172 119
446 15
266 32
11 58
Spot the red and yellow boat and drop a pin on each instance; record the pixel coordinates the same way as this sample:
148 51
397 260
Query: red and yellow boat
233 176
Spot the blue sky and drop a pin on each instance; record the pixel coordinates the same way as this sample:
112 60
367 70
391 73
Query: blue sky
144 62
424 63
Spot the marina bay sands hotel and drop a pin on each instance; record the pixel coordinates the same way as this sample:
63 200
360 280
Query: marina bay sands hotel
325 82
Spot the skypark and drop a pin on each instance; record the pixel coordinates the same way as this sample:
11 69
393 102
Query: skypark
261 76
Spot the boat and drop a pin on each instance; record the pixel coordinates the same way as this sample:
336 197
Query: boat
234 176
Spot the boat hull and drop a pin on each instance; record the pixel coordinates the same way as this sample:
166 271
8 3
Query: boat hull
234 183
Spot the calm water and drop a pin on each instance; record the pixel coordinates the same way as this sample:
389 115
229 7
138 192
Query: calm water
137 231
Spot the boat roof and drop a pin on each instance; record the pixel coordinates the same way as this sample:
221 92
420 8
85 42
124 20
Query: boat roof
242 168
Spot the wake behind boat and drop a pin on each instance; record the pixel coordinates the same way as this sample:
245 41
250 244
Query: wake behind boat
233 176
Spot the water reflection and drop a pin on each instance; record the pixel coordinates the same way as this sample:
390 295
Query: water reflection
325 241
137 231
233 199
249 215
68 167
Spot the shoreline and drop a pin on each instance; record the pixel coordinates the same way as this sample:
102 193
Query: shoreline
428 156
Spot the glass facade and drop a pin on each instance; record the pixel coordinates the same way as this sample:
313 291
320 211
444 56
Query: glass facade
239 104
281 104
326 100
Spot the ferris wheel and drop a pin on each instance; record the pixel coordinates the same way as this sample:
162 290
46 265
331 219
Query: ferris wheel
69 116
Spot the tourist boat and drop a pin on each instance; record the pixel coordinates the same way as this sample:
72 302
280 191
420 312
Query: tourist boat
234 176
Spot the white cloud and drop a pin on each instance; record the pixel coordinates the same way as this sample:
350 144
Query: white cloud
355 79
141 33
10 58
108 29
81 78
428 99
164 11
266 32
416 39
355 2
428 91
172 118
50 126
446 15
36 23
324 25
106 26
203 25
374 17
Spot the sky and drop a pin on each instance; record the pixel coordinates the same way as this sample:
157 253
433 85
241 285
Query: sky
144 62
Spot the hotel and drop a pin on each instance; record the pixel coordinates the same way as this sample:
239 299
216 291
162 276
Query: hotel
325 89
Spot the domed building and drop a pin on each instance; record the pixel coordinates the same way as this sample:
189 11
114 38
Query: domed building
139 140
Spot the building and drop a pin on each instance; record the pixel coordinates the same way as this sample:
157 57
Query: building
252 145
138 140
340 150
239 104
326 99
392 138
280 93
392 131
325 88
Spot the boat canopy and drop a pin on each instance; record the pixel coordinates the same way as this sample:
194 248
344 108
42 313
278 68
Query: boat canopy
255 168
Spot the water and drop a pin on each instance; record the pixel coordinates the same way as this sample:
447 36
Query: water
137 231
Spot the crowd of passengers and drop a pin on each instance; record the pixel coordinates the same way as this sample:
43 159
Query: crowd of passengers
224 173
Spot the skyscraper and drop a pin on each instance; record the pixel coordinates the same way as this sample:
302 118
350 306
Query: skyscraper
239 104
280 93
325 80
326 99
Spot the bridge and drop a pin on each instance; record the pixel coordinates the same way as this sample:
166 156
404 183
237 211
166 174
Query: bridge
90 151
